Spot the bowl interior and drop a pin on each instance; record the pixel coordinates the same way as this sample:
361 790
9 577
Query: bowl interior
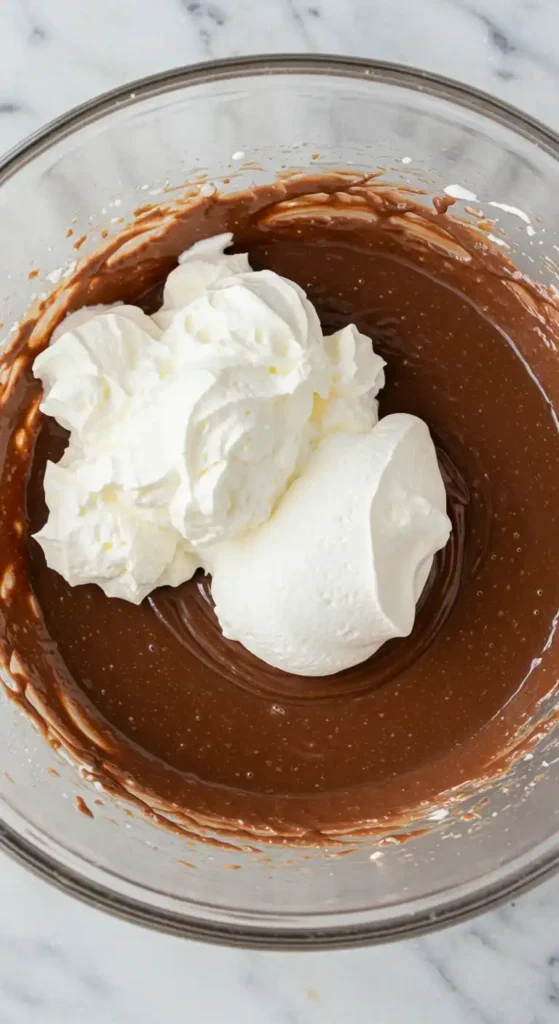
86 176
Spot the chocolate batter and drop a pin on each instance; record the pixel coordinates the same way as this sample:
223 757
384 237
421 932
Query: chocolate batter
153 697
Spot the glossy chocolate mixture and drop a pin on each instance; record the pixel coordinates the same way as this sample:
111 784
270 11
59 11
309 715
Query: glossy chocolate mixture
155 700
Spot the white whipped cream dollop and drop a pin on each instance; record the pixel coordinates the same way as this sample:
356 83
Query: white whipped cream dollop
187 427
339 567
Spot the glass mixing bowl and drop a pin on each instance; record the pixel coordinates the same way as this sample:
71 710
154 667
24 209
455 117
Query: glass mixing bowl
246 120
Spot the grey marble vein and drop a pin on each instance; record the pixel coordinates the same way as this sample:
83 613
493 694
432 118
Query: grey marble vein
205 18
510 31
299 16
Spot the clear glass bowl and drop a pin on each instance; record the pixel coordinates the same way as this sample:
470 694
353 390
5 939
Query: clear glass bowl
84 172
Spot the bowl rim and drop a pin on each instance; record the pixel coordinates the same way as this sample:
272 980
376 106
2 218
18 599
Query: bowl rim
387 72
311 934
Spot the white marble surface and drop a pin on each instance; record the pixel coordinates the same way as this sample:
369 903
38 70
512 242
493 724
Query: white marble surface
61 962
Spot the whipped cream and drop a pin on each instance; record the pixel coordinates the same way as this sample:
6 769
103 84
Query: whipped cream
186 428
108 497
339 567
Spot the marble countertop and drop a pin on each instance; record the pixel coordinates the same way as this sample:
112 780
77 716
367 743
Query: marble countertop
61 962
